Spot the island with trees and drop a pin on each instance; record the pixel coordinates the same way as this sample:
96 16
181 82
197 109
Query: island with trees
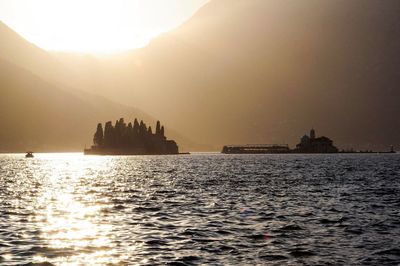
131 139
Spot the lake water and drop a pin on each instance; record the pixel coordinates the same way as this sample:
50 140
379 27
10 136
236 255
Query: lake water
68 209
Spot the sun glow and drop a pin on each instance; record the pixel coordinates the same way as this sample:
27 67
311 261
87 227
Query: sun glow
94 25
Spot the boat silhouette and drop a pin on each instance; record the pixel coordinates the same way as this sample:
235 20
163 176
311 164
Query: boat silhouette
29 154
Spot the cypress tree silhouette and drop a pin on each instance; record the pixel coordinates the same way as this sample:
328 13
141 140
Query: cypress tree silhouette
128 136
136 126
116 134
108 134
142 129
98 138
158 128
162 131
120 128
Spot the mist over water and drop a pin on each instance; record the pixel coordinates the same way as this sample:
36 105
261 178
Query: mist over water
68 209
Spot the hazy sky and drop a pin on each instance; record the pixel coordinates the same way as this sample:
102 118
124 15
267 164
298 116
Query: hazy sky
94 25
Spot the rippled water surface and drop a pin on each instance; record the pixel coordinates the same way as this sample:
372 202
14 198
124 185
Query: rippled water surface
68 209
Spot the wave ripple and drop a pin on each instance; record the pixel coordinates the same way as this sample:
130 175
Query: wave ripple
200 209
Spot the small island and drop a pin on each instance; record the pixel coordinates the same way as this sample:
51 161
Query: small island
308 144
131 139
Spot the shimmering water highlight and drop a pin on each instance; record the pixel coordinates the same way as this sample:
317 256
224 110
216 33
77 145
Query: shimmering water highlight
68 209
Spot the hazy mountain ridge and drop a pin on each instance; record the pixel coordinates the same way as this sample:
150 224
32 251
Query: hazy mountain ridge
256 71
38 108
38 115
248 71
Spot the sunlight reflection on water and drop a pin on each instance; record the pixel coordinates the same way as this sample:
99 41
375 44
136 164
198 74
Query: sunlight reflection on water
66 221
71 209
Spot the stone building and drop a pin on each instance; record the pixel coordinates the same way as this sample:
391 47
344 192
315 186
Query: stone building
313 144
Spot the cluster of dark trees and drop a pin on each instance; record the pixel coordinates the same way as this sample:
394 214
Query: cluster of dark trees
136 138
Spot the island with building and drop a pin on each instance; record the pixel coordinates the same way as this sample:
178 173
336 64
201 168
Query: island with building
131 139
308 144
314 144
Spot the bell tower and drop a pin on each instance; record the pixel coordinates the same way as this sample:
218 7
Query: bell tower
312 133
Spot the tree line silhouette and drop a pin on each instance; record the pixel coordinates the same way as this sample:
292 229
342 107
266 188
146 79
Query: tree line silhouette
132 138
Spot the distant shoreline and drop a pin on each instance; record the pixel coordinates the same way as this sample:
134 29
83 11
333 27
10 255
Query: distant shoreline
200 152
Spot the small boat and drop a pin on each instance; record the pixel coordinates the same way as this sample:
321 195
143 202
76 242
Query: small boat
29 154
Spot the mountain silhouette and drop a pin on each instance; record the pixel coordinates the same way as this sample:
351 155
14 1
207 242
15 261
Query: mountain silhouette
256 71
39 110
